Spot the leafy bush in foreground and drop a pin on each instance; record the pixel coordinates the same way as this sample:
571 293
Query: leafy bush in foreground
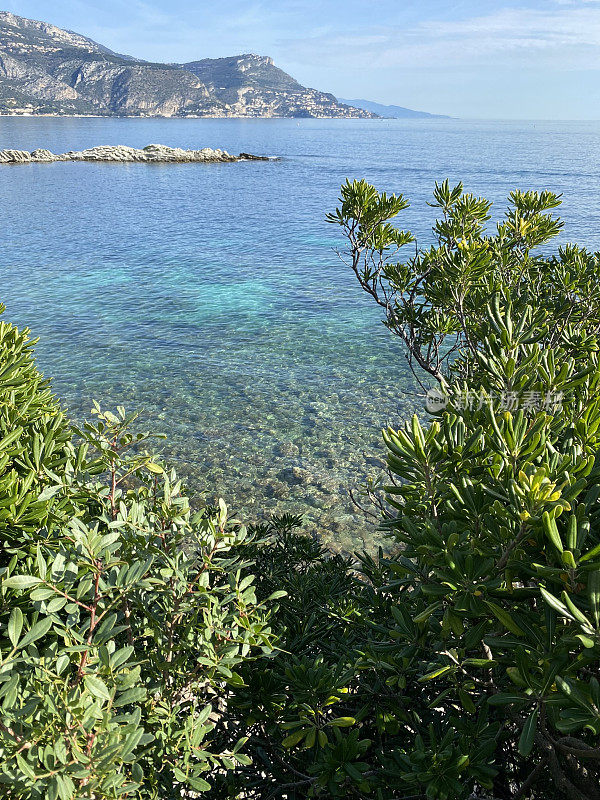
497 628
466 664
123 615
33 431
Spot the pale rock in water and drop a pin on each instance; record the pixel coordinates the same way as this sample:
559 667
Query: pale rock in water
152 153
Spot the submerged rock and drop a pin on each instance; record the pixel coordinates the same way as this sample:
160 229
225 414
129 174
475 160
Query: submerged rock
294 476
152 153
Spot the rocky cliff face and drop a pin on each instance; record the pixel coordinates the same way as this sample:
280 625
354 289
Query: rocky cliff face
47 70
252 86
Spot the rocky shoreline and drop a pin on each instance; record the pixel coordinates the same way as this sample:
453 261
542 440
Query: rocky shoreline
152 153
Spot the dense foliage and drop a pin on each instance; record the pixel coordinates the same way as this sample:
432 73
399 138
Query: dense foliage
138 655
124 616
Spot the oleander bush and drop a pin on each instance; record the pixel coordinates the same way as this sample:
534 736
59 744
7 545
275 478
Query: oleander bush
124 616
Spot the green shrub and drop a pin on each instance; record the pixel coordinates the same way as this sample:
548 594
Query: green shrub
34 440
496 631
124 617
465 664
292 705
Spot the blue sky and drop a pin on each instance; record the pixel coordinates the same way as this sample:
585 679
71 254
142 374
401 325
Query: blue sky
473 58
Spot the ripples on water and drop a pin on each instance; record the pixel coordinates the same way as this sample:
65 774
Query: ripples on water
210 295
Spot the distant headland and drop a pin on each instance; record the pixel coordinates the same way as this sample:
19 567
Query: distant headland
391 111
48 71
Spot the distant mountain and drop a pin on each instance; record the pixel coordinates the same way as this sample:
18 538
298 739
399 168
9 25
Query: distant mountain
396 112
48 70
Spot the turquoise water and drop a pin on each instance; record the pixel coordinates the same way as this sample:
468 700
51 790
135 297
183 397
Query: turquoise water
210 295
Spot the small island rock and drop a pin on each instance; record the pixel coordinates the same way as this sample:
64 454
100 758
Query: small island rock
152 153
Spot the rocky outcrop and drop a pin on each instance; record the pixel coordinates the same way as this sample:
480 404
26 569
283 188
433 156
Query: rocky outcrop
153 153
252 86
46 70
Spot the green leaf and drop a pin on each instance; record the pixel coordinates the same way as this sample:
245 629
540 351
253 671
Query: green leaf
466 701
276 595
120 657
66 789
15 625
62 662
353 772
40 629
505 698
294 738
24 766
342 722
591 553
437 673
594 594
10 437
586 641
97 687
571 691
198 784
21 581
424 615
505 618
56 604
555 603
49 492
551 531
133 695
528 734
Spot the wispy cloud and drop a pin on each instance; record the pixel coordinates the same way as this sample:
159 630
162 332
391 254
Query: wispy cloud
570 36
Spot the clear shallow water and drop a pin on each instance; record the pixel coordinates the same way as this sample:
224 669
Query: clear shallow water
210 295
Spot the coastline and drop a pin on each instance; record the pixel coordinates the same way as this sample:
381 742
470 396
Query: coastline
182 116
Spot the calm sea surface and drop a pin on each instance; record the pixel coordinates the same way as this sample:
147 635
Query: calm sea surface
210 295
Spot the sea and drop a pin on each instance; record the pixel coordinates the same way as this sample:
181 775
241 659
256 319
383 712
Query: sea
211 296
